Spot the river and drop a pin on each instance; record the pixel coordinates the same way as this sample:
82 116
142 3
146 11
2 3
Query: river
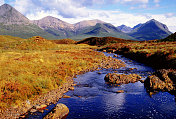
94 99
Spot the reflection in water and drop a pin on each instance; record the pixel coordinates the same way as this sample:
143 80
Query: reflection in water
94 99
113 103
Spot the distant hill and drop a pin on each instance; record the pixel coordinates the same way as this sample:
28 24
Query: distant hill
125 28
137 26
80 30
14 23
102 30
55 27
150 30
64 41
87 23
171 37
99 41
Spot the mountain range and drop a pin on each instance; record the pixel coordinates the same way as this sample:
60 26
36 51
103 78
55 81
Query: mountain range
14 23
150 30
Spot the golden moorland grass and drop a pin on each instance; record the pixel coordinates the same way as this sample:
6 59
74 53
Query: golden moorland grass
148 47
29 67
158 55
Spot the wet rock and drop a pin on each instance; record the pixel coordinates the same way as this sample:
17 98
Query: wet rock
130 69
33 110
120 91
99 73
142 81
66 96
153 82
22 116
41 107
74 84
71 88
115 56
114 78
161 80
59 112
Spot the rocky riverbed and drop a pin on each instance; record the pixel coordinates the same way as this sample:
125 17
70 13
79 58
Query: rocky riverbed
30 106
162 80
94 98
114 78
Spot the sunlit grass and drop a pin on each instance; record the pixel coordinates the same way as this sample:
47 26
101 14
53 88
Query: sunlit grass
29 67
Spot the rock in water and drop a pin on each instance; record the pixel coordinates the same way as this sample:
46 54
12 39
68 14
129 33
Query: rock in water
66 96
120 91
114 78
161 80
71 88
59 112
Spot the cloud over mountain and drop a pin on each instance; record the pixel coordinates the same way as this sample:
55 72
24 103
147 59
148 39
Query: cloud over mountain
111 11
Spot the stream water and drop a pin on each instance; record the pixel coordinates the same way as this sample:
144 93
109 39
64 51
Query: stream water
94 99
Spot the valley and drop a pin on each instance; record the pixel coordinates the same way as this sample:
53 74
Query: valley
90 69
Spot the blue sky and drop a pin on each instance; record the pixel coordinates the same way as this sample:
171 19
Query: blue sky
116 12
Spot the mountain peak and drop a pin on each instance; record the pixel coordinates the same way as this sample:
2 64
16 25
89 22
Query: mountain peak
151 30
50 17
10 15
124 28
6 5
152 20
52 22
87 23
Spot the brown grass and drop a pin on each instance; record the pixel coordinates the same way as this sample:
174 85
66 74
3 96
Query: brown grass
30 67
161 54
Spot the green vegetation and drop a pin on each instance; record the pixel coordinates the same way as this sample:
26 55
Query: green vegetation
102 30
24 31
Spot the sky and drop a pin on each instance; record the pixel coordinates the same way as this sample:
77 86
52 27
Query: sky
116 12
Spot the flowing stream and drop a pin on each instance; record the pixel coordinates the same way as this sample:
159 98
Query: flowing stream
94 99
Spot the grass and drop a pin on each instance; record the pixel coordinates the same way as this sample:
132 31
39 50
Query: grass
156 54
30 67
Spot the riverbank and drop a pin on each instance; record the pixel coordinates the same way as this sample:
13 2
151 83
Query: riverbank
36 72
94 98
159 55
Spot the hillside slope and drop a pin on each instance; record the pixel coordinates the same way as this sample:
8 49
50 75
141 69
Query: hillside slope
150 30
14 23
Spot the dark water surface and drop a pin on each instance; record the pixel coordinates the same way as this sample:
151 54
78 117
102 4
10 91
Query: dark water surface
94 99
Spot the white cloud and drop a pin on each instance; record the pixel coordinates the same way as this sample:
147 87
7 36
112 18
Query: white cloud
168 15
170 22
136 1
26 6
157 5
68 8
2 2
156 1
73 11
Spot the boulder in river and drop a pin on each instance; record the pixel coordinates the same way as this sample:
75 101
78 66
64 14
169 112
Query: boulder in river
161 80
41 107
114 78
59 112
71 88
120 91
66 96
